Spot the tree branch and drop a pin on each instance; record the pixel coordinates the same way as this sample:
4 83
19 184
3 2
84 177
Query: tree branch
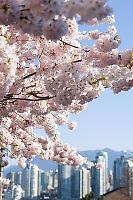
29 75
25 99
65 43
76 61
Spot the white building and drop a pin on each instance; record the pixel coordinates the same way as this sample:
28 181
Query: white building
44 180
50 179
31 181
100 174
18 178
14 193
81 183
34 181
73 183
26 181
55 179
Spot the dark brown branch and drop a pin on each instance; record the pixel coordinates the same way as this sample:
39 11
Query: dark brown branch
26 9
25 99
30 86
29 75
65 43
34 93
76 61
39 97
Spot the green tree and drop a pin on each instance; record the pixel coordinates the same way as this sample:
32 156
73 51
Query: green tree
89 196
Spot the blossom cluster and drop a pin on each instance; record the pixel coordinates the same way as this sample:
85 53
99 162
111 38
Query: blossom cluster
42 81
49 17
4 181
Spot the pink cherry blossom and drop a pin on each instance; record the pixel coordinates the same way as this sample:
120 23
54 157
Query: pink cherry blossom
72 125
21 162
45 73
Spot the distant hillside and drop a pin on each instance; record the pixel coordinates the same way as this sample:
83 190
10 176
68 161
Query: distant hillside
48 165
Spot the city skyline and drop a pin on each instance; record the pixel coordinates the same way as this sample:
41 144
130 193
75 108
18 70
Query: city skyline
69 183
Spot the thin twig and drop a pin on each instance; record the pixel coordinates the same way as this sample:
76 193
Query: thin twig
41 53
29 75
65 43
76 61
30 86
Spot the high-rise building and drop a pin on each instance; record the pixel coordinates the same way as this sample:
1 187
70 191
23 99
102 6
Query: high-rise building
81 180
18 178
34 181
73 183
49 179
44 180
26 181
111 181
15 177
64 182
100 174
39 181
31 181
55 179
14 193
11 176
123 173
120 171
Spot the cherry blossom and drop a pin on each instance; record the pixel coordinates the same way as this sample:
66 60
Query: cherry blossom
72 125
49 17
45 73
21 162
4 181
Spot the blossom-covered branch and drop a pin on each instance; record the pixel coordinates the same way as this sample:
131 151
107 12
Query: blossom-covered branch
45 74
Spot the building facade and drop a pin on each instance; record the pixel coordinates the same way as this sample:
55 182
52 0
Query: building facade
123 174
31 181
15 192
73 183
99 174
64 182
81 184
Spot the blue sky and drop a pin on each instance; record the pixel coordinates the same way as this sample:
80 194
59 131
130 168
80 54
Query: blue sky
108 120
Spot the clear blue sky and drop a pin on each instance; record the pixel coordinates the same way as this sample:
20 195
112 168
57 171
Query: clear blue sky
108 120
